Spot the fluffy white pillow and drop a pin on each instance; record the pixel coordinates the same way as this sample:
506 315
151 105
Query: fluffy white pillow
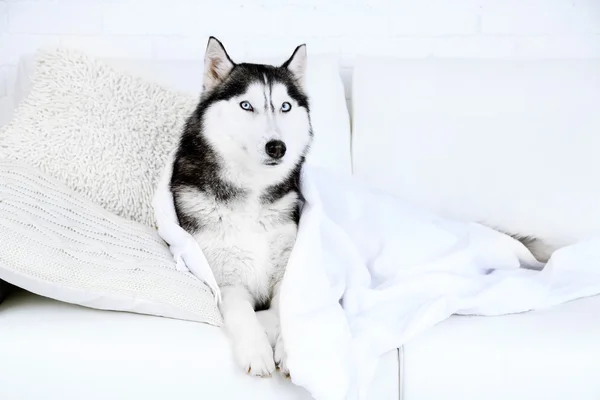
103 132
58 244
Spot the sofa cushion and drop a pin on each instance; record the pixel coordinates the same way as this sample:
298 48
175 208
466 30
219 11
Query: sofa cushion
79 353
551 354
509 143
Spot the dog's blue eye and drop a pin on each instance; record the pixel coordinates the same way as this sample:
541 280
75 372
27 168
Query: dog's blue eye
246 106
285 107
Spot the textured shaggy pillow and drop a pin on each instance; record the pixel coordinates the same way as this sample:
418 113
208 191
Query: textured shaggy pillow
58 244
114 129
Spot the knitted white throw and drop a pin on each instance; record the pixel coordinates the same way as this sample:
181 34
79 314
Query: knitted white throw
56 243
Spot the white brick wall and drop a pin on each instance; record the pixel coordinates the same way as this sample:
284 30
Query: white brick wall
406 28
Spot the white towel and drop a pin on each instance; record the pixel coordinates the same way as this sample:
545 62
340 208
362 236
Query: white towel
369 272
186 251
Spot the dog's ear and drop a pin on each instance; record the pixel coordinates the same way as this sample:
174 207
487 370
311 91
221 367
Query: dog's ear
297 63
217 64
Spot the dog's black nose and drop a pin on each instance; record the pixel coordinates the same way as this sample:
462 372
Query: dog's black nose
275 149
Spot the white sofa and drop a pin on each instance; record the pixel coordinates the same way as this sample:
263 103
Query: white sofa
133 356
512 144
55 350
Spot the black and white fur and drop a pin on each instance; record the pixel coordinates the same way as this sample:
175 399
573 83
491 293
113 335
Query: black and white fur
235 185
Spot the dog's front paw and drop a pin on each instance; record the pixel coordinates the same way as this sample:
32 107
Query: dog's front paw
281 357
255 355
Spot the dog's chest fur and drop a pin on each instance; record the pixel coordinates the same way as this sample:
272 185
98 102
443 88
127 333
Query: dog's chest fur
246 239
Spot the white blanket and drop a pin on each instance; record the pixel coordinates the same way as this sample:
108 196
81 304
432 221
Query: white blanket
369 272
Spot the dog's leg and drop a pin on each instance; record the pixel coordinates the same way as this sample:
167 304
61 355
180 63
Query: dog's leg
280 355
270 320
251 345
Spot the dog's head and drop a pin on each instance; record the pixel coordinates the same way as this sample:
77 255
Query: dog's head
256 115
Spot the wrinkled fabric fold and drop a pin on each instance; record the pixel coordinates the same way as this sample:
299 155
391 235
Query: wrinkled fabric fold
368 272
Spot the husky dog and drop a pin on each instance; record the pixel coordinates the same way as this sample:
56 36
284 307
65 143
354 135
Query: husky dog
235 186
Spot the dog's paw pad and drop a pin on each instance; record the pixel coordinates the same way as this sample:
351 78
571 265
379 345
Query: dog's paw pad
256 356
280 358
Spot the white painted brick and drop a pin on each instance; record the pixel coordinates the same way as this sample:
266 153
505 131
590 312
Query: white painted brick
275 22
111 46
178 29
575 46
3 17
179 48
246 48
539 17
284 47
330 45
356 22
333 19
193 47
54 17
12 46
399 47
155 17
474 47
587 16
528 17
433 17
